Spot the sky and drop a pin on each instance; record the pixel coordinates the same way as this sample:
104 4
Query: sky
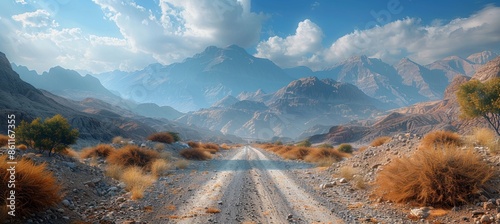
105 35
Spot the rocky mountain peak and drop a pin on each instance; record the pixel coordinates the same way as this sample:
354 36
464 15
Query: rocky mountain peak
482 57
488 71
4 62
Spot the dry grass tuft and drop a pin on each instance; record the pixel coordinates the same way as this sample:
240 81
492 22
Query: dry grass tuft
444 177
36 188
380 141
118 140
159 147
114 171
101 150
487 138
158 167
71 153
4 140
163 137
194 145
322 156
136 181
348 172
212 210
195 154
132 155
181 164
22 147
437 139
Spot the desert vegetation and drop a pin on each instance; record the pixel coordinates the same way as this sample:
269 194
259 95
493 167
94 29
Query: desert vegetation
345 148
4 139
479 99
52 135
485 137
322 156
380 141
444 177
36 188
438 139
200 151
164 137
101 150
132 155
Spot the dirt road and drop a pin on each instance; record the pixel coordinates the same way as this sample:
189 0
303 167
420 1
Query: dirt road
243 186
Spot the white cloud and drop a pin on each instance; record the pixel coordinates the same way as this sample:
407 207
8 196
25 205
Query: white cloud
38 18
22 2
400 38
295 49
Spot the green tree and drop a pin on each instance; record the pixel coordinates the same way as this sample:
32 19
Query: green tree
479 99
305 143
53 134
347 148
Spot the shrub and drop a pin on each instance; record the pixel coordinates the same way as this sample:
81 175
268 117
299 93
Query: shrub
487 138
101 150
212 210
326 146
132 155
35 186
136 181
114 171
296 153
348 172
210 147
443 177
278 143
195 154
345 148
380 141
118 140
22 147
304 143
158 167
320 154
4 140
53 134
71 153
437 139
163 137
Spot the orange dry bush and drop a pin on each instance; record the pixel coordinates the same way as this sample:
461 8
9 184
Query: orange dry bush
380 141
444 177
4 140
132 155
195 154
71 153
436 139
212 210
36 188
319 154
22 147
210 147
296 153
163 137
101 150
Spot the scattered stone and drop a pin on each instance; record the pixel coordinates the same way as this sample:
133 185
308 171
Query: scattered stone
66 203
488 205
343 180
477 212
421 213
290 216
485 219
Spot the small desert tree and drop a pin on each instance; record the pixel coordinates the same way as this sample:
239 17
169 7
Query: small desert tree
53 134
478 99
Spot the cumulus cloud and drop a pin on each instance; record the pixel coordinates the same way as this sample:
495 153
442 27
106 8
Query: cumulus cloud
297 49
400 38
166 33
38 18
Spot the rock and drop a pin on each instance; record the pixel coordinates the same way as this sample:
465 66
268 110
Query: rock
66 203
65 217
343 180
113 189
477 212
60 210
328 185
219 202
69 164
488 205
290 216
421 213
498 202
485 219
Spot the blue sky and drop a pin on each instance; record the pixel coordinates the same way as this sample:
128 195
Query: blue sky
104 35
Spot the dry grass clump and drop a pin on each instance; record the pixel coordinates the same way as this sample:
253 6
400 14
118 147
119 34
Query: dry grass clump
380 141
212 210
225 146
114 171
163 137
194 145
181 164
35 186
210 147
437 139
4 140
322 156
132 155
118 140
136 181
22 147
195 154
296 153
444 177
158 167
348 172
71 153
101 150
487 138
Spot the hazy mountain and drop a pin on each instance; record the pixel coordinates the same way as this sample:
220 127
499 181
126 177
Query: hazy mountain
66 83
453 66
299 72
419 118
289 111
199 81
155 111
482 57
429 84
